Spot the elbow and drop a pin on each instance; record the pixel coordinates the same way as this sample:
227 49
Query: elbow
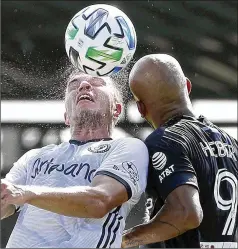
193 218
100 207
100 211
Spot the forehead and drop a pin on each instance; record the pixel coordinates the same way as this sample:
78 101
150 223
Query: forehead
82 76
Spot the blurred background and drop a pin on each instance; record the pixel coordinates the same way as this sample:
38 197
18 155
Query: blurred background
201 35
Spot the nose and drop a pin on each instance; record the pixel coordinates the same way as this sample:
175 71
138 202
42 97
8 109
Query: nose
84 85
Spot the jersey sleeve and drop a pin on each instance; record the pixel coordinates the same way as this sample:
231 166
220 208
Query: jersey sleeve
128 163
170 166
18 172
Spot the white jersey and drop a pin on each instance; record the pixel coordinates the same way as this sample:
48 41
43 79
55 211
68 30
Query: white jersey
75 164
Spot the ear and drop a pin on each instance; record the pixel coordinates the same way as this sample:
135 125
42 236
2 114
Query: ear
117 111
189 85
66 119
141 108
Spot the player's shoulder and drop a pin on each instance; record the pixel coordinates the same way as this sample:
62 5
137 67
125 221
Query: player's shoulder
155 135
167 138
158 137
45 149
132 143
176 129
51 147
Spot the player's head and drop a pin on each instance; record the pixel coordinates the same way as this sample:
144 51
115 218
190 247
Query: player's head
91 102
159 86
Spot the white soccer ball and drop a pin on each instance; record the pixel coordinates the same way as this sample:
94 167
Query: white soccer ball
100 40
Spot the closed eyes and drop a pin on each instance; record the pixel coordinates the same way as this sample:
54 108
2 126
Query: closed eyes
94 81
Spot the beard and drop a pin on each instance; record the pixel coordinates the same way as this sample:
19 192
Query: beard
92 119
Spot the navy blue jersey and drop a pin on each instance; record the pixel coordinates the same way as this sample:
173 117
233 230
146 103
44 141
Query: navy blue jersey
194 151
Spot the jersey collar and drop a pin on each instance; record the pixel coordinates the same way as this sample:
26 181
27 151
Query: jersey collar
78 142
177 118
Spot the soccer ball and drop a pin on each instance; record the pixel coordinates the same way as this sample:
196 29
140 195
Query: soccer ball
100 40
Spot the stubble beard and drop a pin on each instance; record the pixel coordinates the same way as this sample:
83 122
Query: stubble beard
92 119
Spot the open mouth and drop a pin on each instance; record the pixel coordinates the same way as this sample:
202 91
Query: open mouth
85 97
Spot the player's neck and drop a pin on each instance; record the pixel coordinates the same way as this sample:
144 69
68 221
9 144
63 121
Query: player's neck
85 134
170 113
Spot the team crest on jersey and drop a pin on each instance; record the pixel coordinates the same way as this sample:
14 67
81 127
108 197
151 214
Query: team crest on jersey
102 148
159 160
131 169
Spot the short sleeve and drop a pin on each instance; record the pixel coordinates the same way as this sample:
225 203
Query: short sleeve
170 166
18 172
127 163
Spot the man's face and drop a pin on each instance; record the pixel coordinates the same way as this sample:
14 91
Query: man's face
87 98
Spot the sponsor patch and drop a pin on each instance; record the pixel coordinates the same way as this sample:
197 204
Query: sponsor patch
159 160
166 173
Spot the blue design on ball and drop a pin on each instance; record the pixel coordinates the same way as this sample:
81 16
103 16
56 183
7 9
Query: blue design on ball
116 69
130 35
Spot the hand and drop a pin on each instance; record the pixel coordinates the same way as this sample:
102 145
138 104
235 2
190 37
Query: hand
12 194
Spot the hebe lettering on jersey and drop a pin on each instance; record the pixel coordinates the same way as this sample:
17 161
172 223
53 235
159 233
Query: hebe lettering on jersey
218 149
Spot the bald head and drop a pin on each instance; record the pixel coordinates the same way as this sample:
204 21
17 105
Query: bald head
157 76
160 88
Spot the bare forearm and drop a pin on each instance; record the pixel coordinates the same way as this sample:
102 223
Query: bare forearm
165 225
81 202
181 212
7 211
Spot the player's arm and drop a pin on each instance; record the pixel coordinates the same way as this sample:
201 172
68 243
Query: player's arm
107 191
16 175
180 213
7 211
80 201
176 183
6 208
